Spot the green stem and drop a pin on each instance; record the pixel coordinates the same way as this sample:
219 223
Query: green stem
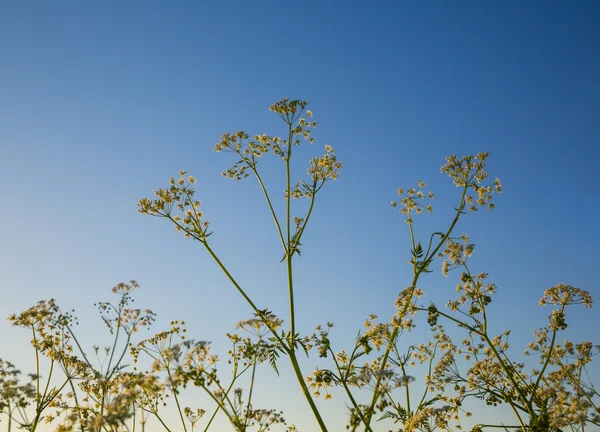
514 408
257 311
429 373
344 381
9 409
396 330
289 238
290 351
220 404
407 389
537 382
249 404
112 351
37 367
133 416
306 391
161 421
510 376
42 403
219 407
70 379
125 349
264 189
310 209
174 389
527 408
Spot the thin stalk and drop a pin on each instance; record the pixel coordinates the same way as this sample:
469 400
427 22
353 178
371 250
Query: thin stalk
9 414
344 381
220 405
518 417
306 391
121 357
386 356
78 346
174 391
310 209
407 389
37 367
249 404
289 350
496 354
412 240
133 422
76 400
112 351
292 342
161 421
537 382
264 189
429 372
41 406
510 376
396 330
484 325
501 360
289 237
47 402
240 289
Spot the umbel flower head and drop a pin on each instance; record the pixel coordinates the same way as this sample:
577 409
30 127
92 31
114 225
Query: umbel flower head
257 326
469 171
325 167
564 295
289 110
177 204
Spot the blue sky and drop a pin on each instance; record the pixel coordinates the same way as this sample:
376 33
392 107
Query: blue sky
101 103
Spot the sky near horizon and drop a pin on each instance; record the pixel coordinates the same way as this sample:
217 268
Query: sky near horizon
100 103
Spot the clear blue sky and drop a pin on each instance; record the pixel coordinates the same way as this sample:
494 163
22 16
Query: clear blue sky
101 103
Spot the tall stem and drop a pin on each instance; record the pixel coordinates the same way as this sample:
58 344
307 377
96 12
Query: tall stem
417 273
306 391
9 415
344 381
264 189
249 404
289 350
292 342
289 238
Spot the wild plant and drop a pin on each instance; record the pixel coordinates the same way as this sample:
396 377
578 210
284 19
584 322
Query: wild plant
376 375
384 361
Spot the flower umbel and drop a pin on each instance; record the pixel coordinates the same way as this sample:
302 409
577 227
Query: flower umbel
177 204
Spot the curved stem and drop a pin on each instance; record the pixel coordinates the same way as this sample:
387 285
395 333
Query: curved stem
289 350
549 355
396 330
344 381
78 346
161 421
249 404
112 351
306 391
264 189
310 209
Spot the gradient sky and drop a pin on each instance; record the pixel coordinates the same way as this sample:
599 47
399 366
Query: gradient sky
101 103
